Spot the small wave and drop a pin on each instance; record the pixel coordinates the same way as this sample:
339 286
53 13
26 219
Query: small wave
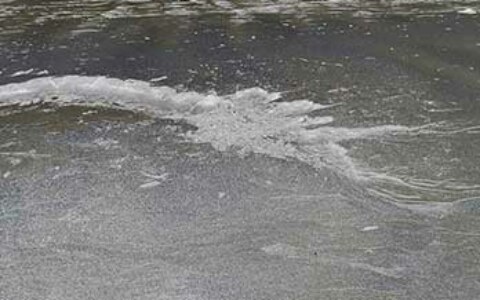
131 94
256 121
248 121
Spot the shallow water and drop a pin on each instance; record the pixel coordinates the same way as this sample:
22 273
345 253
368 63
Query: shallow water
275 151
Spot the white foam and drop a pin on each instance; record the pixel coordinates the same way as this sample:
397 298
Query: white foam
247 121
158 79
336 134
467 11
369 228
22 73
150 184
133 94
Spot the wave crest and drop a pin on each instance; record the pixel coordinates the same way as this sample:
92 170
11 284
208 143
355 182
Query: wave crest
250 120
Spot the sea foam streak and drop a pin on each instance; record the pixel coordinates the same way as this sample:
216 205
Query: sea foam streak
247 121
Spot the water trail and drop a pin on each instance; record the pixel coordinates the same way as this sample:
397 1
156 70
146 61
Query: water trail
252 120
248 121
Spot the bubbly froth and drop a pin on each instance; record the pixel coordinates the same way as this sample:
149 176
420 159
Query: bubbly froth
247 121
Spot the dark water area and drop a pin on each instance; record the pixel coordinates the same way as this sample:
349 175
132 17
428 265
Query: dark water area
267 151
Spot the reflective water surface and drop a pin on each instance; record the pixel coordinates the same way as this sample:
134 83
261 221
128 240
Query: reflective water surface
237 150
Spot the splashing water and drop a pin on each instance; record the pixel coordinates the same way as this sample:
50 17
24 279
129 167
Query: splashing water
251 120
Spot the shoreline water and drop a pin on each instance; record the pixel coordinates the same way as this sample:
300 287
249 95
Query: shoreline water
279 155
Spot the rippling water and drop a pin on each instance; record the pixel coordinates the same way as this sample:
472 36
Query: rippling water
239 150
92 15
